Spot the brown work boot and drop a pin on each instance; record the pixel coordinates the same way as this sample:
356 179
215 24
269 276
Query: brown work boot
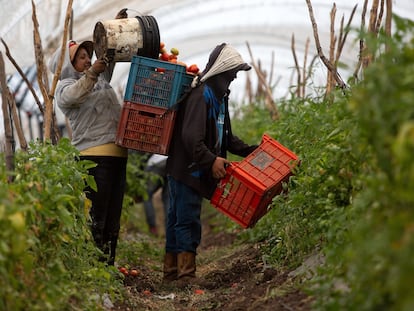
186 263
170 267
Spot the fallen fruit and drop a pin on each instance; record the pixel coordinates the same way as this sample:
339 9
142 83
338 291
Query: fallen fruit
134 272
123 270
198 292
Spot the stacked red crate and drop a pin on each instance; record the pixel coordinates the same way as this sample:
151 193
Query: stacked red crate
145 128
148 115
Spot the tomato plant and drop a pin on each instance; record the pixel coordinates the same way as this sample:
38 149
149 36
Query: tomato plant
46 249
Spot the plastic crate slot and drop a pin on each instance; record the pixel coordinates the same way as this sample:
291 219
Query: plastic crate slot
227 190
147 114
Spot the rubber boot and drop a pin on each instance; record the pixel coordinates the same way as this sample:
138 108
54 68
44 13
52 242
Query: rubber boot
170 267
186 263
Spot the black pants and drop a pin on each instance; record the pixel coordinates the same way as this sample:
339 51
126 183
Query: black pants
110 177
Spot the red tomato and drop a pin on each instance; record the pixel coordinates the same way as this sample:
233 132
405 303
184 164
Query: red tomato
123 270
198 292
165 57
193 69
172 56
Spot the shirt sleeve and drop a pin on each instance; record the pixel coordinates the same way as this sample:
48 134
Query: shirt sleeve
194 130
74 92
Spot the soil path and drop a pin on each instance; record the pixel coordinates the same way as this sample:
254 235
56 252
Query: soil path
242 280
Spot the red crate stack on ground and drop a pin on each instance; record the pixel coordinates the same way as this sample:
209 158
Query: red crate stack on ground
250 185
148 115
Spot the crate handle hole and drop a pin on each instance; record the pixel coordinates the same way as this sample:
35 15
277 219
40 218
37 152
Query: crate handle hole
147 114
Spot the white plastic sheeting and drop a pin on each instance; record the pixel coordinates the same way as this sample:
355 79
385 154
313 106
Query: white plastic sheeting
195 27
16 25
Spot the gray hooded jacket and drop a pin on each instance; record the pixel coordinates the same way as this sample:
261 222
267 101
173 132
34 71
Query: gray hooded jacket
89 102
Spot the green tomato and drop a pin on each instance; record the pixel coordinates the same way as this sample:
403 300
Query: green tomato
17 221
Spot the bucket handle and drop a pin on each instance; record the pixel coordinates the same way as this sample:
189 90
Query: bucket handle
136 11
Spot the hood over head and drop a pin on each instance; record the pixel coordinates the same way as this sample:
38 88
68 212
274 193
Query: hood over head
74 47
223 58
68 71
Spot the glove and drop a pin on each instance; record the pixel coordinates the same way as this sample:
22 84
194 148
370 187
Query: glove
122 14
98 66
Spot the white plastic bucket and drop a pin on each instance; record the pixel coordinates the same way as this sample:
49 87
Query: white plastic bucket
124 38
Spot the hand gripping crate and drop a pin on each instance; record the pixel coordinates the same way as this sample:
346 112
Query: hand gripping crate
250 185
145 128
156 82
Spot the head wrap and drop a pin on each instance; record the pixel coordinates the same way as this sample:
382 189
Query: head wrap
223 58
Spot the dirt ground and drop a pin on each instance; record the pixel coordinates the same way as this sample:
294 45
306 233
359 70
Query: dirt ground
240 278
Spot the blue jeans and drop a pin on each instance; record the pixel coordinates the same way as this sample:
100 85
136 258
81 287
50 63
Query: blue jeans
183 222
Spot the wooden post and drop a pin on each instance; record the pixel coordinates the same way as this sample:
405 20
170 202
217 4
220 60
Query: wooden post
66 31
269 102
48 94
326 62
295 58
330 83
41 72
9 142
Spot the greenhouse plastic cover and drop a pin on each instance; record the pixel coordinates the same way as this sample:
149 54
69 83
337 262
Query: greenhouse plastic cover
195 27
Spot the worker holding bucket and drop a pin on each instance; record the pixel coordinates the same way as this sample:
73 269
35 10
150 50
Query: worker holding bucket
85 96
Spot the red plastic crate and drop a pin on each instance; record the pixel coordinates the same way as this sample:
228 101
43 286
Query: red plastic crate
145 128
250 185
